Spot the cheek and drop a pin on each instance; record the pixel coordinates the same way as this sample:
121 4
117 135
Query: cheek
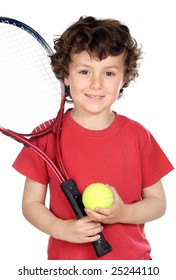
77 85
114 90
115 87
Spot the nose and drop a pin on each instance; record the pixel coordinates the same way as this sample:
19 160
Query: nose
96 82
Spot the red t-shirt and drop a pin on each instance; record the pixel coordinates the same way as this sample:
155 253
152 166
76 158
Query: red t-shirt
124 155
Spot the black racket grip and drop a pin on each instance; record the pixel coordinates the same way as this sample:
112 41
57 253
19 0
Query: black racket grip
101 246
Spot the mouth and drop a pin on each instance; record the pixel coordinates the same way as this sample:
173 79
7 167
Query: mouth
95 97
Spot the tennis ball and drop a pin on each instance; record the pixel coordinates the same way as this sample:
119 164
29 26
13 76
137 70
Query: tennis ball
97 195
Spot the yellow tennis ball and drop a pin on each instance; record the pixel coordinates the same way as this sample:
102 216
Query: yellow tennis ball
97 195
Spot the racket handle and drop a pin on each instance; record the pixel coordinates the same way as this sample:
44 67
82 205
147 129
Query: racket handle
101 246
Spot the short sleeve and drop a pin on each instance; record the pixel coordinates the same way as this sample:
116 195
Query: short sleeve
154 163
31 165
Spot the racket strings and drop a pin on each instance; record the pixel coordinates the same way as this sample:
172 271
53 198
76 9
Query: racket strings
30 93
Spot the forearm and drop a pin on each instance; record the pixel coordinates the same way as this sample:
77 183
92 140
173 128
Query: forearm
76 231
42 218
143 211
72 230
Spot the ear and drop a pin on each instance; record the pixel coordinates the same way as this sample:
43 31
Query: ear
66 81
125 79
124 83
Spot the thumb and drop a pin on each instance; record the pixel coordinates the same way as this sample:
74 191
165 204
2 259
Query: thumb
115 194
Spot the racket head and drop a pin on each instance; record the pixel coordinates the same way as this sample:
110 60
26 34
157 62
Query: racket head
30 93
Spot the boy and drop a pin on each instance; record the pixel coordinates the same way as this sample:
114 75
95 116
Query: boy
96 60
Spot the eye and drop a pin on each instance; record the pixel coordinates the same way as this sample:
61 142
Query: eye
109 73
84 72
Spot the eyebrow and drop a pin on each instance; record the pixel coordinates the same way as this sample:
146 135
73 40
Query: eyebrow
112 66
89 66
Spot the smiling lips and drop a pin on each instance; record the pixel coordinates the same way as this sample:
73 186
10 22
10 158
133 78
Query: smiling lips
95 97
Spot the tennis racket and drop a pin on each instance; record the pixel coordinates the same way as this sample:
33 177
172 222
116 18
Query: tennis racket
30 95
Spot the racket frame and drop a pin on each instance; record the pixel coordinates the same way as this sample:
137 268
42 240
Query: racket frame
29 30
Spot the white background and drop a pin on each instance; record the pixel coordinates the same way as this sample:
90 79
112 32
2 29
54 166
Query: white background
151 101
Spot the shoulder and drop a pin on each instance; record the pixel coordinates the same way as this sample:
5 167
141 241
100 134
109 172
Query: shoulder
130 122
133 131
132 126
44 134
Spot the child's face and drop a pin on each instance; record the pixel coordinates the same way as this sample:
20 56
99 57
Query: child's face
95 84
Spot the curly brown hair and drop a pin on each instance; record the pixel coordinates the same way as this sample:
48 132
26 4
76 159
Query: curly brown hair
100 38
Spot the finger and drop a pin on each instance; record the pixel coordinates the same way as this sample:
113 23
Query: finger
114 191
103 211
95 216
94 231
89 220
92 238
99 211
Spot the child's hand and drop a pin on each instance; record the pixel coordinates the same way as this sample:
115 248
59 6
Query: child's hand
109 215
80 231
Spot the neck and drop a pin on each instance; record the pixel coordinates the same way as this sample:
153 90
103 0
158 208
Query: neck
93 121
